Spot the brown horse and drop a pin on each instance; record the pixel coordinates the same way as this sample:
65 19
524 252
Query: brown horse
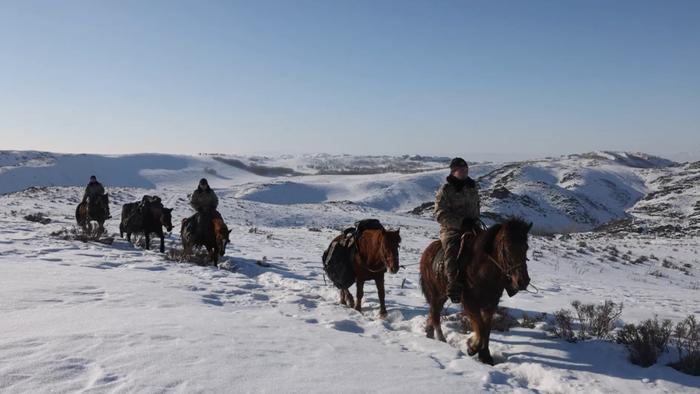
498 262
214 237
93 209
377 252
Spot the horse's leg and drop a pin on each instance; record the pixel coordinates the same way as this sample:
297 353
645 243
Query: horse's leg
213 255
380 289
429 327
484 352
348 298
121 230
436 308
342 297
162 242
128 236
84 224
360 292
186 249
147 235
474 342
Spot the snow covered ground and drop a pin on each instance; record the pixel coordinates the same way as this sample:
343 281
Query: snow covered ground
90 317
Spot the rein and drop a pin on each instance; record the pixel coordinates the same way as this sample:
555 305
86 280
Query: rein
506 269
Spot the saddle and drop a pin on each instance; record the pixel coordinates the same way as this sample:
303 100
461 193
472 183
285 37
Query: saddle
361 226
151 200
466 240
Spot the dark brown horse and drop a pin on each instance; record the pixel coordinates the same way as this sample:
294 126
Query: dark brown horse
377 252
94 209
214 237
498 262
147 217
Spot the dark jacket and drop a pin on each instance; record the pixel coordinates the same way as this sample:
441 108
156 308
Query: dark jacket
204 199
93 189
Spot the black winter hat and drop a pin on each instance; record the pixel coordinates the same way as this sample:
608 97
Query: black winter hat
458 162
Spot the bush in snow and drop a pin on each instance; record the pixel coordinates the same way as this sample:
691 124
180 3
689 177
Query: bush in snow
531 321
686 337
75 234
198 256
594 321
503 321
564 325
597 321
38 217
645 341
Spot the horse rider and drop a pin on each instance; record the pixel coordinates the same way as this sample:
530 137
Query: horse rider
205 202
457 207
93 189
204 199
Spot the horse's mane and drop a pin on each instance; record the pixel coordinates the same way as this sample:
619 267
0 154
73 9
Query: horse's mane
393 237
516 230
485 241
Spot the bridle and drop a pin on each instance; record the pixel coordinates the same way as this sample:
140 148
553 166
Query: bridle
507 268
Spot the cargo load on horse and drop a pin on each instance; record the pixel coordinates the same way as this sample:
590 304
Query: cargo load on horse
364 252
337 259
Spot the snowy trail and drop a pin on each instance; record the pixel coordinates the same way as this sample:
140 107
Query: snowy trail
90 317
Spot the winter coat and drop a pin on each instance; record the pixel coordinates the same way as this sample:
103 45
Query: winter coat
93 189
456 201
204 199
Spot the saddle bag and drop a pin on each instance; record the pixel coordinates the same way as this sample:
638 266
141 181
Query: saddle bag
337 263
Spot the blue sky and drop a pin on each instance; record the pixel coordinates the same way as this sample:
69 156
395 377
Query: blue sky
521 78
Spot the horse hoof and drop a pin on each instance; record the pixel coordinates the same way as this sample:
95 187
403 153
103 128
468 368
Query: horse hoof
430 335
486 359
383 315
471 350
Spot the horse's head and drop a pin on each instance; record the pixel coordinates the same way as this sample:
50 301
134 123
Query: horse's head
512 252
222 235
166 218
390 249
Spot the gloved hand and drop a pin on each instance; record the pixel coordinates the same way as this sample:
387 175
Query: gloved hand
468 224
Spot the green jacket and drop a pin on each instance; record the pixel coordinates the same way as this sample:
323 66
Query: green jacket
456 201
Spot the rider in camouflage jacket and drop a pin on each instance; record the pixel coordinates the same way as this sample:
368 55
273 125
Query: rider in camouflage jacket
457 209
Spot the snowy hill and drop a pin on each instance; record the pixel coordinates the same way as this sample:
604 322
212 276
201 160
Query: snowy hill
101 318
565 194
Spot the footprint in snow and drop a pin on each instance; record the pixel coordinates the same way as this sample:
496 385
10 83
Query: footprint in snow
347 326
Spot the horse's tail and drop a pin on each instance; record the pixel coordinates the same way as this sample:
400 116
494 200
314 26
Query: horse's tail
183 229
79 216
427 276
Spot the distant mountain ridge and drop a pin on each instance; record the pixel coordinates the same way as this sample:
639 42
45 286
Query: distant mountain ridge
572 193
